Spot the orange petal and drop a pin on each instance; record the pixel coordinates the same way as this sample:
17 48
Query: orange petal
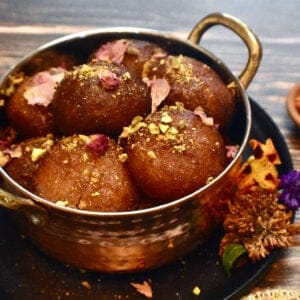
268 150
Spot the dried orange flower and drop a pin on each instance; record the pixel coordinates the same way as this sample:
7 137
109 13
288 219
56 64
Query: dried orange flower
260 168
259 222
255 218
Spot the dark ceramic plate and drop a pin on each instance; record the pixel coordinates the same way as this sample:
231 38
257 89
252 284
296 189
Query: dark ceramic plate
26 273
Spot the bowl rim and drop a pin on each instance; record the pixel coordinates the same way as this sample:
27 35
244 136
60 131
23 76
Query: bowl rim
138 31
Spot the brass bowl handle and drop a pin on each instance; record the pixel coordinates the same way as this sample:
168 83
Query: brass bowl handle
243 31
35 213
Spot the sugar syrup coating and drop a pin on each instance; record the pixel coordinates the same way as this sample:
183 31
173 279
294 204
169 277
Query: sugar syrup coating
27 109
172 153
23 167
132 53
86 173
99 97
194 84
50 59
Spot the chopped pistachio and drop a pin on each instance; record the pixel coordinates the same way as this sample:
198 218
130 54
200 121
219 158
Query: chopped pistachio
180 148
94 180
153 128
37 153
126 76
151 154
62 203
173 130
166 118
163 127
209 179
85 157
84 138
95 194
123 157
4 159
175 62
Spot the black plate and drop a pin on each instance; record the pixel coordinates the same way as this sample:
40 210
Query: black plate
26 273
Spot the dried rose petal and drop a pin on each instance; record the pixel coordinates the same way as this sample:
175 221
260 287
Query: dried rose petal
98 143
43 87
132 50
143 288
112 51
109 80
159 54
231 151
160 89
209 121
14 151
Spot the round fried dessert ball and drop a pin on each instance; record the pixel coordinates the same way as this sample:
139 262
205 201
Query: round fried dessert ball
86 172
49 59
26 157
27 110
194 84
172 153
98 97
131 53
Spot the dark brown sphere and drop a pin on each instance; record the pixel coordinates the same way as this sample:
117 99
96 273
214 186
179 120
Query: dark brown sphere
172 153
131 53
49 59
86 172
194 84
101 97
27 109
138 52
23 166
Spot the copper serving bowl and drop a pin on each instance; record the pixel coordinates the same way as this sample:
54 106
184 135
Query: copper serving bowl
146 238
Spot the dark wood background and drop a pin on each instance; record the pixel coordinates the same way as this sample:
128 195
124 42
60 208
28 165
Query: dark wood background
24 25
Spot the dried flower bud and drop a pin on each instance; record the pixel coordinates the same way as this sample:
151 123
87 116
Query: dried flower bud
98 143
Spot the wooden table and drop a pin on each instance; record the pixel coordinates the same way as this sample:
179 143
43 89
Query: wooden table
24 25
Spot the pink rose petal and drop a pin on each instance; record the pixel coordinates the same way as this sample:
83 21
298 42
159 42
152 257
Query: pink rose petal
160 90
43 87
158 55
14 151
143 288
98 144
209 121
109 80
231 151
112 51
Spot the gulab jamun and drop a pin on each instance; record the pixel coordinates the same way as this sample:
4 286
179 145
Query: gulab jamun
98 97
25 157
86 172
194 84
131 53
172 152
27 109
50 59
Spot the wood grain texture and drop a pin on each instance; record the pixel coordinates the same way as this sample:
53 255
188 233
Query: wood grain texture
25 25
